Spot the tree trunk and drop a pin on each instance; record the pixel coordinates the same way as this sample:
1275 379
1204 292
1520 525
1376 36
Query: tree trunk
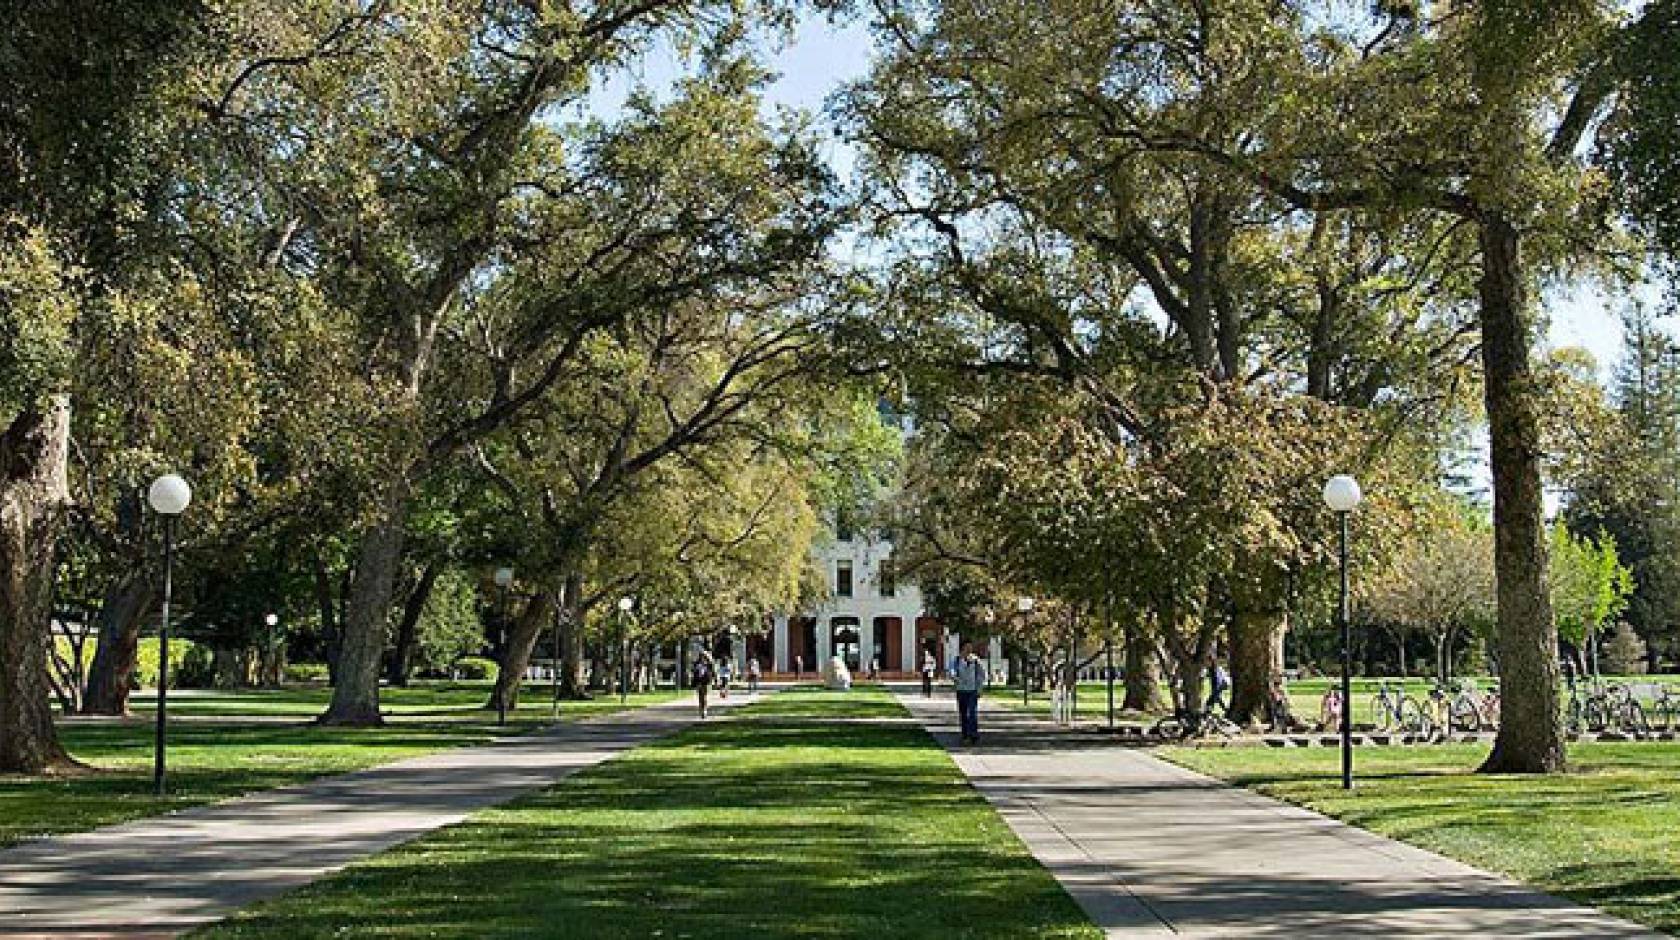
1530 738
1143 675
401 665
516 652
1256 662
34 495
355 698
230 668
127 602
327 604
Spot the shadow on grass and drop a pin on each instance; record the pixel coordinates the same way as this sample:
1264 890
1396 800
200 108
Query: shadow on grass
766 825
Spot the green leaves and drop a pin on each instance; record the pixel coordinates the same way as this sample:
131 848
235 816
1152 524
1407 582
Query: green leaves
37 312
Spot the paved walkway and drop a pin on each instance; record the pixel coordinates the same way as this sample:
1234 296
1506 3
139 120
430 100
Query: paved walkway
160 876
1151 849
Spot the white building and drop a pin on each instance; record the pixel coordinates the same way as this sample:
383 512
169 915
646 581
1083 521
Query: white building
869 617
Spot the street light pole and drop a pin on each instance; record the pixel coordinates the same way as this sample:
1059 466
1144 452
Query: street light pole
1024 606
624 606
554 669
1108 672
1342 495
168 496
504 580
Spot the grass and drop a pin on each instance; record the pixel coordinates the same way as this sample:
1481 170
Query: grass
441 700
1602 834
222 756
780 821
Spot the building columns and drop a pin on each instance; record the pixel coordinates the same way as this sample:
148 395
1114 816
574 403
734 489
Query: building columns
782 659
866 642
825 643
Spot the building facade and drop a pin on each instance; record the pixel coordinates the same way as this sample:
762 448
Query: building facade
871 617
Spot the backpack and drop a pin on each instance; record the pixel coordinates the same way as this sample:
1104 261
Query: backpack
701 673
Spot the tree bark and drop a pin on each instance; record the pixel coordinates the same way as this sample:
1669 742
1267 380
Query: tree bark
401 665
1143 674
574 679
355 698
127 602
1530 738
516 653
34 497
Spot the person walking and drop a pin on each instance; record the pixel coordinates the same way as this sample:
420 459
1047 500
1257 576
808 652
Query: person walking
753 674
969 677
1219 683
928 669
726 675
701 676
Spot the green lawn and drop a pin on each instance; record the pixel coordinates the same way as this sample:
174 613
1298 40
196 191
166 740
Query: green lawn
776 822
442 700
214 760
1602 834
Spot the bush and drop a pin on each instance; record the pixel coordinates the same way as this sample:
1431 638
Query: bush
1623 652
306 672
146 666
476 667
197 668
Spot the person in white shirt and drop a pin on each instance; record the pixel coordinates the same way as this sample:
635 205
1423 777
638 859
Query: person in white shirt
969 676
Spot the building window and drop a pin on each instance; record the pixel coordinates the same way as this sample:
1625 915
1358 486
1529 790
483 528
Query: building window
843 525
843 578
888 578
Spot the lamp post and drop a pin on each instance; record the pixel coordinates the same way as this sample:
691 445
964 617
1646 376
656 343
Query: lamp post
504 580
624 606
168 496
554 668
682 651
271 641
1024 606
1341 494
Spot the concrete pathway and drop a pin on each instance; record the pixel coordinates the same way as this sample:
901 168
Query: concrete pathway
1151 849
160 876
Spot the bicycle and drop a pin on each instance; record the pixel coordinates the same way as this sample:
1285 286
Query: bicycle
1184 724
1453 708
1393 710
1330 709
1664 710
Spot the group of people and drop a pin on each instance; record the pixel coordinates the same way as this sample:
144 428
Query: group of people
969 676
708 674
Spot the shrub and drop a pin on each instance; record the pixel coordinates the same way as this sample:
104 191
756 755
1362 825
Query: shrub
146 666
306 672
1623 652
476 667
197 668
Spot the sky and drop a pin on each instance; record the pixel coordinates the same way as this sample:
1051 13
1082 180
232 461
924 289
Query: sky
824 55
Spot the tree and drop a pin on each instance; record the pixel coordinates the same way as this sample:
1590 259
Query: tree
1440 582
1590 586
1624 478
475 239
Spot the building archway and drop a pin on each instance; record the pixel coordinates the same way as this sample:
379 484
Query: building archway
889 642
846 641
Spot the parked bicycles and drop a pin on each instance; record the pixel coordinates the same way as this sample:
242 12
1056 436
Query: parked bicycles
1663 711
1456 707
1601 707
